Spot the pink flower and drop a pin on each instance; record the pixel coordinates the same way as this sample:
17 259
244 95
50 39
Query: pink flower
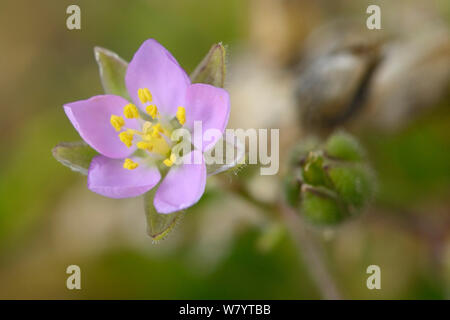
133 138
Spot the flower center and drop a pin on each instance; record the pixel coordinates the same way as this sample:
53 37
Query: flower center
154 137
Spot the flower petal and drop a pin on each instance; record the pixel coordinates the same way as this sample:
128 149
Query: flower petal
211 106
91 118
108 177
153 67
182 187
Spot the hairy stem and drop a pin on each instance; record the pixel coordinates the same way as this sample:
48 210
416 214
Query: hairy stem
312 254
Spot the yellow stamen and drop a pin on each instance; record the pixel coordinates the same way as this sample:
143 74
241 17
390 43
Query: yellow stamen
181 115
130 164
157 130
117 122
170 161
152 110
156 134
126 137
130 111
148 95
146 127
142 96
158 127
145 95
143 145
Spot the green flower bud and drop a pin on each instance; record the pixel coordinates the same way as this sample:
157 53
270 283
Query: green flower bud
344 147
353 184
321 208
330 182
301 150
313 170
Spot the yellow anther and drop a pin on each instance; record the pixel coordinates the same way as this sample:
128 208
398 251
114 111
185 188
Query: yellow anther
145 95
130 164
142 96
156 133
130 111
126 137
157 129
148 95
117 122
170 161
181 115
143 145
152 110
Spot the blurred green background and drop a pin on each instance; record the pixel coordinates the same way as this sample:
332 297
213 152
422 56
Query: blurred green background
223 248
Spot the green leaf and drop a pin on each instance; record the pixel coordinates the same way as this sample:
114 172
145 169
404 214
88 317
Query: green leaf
75 155
212 69
159 225
112 70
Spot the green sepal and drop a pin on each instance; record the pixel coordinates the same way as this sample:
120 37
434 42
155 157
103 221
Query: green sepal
212 69
75 155
336 182
321 208
112 70
234 147
353 184
313 170
159 225
343 146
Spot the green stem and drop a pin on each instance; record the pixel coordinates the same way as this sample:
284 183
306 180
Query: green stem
312 254
309 249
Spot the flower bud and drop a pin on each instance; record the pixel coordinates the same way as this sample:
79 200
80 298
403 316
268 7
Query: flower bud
329 182
321 208
353 184
344 147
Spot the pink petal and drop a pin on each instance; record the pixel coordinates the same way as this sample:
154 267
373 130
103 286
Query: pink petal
211 106
108 177
153 67
91 118
182 187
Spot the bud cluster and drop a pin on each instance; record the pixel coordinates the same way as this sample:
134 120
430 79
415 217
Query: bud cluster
329 182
